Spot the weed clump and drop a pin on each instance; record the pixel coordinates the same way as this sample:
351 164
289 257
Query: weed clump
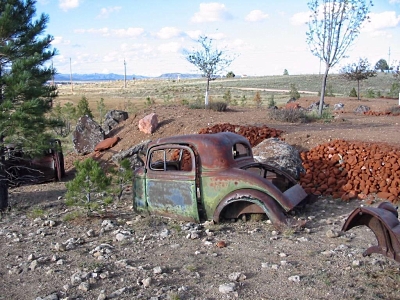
289 115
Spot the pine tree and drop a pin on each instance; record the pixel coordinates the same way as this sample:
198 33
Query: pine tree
25 98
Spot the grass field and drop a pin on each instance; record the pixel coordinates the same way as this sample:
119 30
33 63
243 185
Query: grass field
140 93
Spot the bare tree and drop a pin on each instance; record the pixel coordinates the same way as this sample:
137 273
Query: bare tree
333 26
357 72
209 60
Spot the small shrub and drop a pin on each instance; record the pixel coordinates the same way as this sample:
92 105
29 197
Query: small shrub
394 90
101 108
36 212
370 93
243 100
326 115
196 105
257 99
88 187
271 102
184 102
83 108
294 93
72 216
218 106
288 115
227 96
285 72
149 101
353 93
378 94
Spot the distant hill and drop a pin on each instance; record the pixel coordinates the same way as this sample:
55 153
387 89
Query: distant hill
112 76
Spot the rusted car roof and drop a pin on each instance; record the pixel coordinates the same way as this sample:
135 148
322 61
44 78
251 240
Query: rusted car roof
219 144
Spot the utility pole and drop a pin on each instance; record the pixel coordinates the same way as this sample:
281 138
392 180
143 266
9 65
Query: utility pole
389 58
124 73
70 75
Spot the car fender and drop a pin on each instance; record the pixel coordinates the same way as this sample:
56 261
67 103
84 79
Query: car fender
250 201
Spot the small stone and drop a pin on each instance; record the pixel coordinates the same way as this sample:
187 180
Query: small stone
356 263
90 233
227 288
157 270
295 278
102 295
237 276
31 257
84 286
282 254
332 233
146 282
120 237
33 265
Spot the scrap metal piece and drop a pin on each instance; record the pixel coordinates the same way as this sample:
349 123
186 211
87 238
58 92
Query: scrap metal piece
383 221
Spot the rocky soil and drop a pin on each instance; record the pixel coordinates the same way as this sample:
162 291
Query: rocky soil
50 252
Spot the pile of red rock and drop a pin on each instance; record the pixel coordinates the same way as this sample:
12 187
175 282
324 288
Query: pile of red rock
350 170
253 133
379 113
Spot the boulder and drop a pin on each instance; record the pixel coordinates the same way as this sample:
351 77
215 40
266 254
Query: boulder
149 123
87 135
338 106
107 143
113 118
133 154
315 106
279 154
361 109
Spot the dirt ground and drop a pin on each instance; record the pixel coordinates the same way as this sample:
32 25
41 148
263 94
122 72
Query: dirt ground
120 255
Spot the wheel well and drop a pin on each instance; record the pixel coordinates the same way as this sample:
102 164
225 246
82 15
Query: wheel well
237 208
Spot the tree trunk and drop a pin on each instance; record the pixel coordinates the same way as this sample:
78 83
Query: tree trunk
206 104
3 178
321 100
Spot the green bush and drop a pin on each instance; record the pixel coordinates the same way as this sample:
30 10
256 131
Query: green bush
326 115
83 108
89 186
294 93
271 102
218 106
394 90
227 96
370 93
288 115
353 93
243 100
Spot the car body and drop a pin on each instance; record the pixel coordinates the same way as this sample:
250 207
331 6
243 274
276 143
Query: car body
22 169
212 176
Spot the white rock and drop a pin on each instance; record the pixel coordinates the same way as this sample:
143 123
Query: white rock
295 278
102 295
227 288
332 233
157 270
84 286
237 276
147 282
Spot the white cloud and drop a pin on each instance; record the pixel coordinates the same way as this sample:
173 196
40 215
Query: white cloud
168 32
60 40
256 15
381 21
105 12
129 32
394 1
170 47
68 4
194 34
300 18
216 36
211 12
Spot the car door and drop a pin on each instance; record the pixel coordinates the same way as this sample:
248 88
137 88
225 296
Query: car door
171 182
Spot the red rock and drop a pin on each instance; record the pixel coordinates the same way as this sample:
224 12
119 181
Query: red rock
149 123
107 143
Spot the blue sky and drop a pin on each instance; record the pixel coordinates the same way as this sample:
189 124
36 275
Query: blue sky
266 37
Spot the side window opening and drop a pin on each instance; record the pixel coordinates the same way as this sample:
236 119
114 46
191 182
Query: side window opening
170 159
240 151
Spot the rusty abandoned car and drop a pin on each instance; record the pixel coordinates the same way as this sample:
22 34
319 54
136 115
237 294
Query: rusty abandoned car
23 169
384 223
212 177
